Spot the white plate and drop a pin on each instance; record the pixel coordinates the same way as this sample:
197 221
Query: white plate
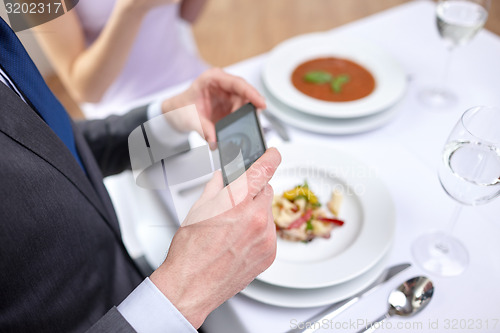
328 125
307 298
367 210
390 79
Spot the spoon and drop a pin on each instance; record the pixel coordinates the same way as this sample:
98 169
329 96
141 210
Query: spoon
408 299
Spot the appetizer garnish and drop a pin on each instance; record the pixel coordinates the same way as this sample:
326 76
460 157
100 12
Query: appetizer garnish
299 217
322 77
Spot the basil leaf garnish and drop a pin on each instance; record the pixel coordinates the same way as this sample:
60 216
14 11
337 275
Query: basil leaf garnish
337 83
318 77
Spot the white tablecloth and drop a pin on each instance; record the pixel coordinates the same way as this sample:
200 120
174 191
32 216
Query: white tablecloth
404 153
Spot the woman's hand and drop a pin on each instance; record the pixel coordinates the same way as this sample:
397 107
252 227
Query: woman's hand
215 94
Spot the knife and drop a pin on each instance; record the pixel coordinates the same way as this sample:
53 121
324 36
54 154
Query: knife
277 125
338 307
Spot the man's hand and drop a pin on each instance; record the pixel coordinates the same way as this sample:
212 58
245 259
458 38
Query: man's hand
211 260
215 95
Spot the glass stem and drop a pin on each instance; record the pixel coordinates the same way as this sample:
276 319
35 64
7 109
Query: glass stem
454 218
441 244
442 87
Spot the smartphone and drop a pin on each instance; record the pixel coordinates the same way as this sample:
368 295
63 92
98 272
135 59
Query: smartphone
240 141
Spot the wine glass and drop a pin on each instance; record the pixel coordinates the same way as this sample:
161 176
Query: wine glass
458 21
469 173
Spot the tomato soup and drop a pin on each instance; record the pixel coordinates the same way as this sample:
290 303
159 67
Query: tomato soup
339 80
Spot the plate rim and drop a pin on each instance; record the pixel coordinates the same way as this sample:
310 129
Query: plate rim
329 295
329 125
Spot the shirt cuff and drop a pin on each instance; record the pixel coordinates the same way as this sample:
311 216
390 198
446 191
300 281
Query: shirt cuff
154 109
165 133
147 310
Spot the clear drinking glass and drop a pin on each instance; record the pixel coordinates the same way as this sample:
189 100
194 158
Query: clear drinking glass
458 21
469 173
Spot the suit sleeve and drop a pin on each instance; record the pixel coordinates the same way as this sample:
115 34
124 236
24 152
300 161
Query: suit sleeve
112 322
146 309
108 139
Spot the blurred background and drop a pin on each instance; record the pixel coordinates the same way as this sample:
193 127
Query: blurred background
229 31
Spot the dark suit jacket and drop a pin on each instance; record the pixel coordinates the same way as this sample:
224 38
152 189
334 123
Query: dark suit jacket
63 265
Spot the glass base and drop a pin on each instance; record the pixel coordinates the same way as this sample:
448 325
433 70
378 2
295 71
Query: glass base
436 98
440 254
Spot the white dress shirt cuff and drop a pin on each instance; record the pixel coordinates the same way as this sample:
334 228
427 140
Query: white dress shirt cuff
166 134
154 109
147 310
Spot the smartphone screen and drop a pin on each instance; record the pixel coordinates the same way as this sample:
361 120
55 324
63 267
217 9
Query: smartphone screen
240 142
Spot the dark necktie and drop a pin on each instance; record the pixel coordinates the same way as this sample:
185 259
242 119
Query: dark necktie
16 63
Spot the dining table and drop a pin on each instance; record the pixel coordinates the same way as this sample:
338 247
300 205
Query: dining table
404 153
